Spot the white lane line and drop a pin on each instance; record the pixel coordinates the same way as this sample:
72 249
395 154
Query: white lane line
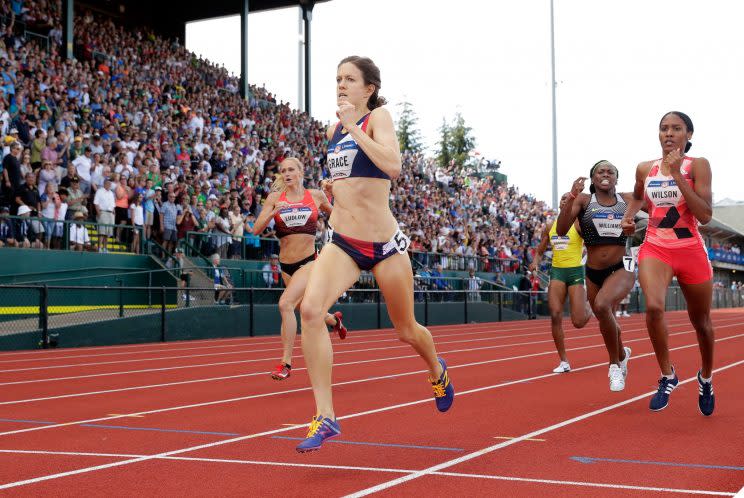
357 381
201 365
254 340
375 360
585 484
456 461
376 469
338 344
489 329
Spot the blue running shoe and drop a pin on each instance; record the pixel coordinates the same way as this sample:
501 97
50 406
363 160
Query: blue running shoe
320 430
444 391
706 399
660 400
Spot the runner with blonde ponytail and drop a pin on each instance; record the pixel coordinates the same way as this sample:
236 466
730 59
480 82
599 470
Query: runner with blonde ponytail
295 212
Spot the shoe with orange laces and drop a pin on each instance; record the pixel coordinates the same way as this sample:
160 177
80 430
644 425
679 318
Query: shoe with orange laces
339 327
320 429
444 391
281 372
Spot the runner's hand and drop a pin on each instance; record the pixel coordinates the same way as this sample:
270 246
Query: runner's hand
628 226
346 114
578 186
673 161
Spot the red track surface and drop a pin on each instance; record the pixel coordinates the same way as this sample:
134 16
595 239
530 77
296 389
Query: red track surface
146 396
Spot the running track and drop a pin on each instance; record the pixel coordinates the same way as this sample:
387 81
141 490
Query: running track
204 418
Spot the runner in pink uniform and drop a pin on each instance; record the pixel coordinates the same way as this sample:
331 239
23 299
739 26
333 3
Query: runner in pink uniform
677 192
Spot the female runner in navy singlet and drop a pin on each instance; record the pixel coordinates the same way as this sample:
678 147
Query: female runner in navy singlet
295 212
363 155
607 282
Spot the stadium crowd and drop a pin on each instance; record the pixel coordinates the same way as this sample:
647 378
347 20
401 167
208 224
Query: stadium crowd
138 131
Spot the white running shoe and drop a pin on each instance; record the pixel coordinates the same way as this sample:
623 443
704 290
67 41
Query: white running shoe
624 363
617 313
626 314
562 368
617 379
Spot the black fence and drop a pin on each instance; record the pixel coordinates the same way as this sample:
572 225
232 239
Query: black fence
44 316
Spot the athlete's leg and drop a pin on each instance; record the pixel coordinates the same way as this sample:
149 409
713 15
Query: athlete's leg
654 276
331 274
699 297
556 299
288 302
395 279
581 310
614 288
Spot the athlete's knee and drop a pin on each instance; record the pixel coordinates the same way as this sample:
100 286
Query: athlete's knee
310 312
602 306
654 309
556 316
702 324
286 305
579 322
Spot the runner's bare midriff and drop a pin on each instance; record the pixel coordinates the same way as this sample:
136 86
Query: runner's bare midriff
296 247
361 209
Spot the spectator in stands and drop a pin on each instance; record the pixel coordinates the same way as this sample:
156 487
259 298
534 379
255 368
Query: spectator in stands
222 280
473 285
12 178
169 212
28 195
79 236
76 200
184 276
28 232
7 229
438 283
272 272
104 203
525 288
137 217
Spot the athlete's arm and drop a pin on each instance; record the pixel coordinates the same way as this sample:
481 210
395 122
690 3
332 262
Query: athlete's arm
636 202
700 197
381 145
540 249
571 209
321 201
268 211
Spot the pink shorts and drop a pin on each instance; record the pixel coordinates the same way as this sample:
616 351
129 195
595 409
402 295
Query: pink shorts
689 264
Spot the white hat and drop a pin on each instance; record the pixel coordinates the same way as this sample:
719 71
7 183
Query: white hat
23 210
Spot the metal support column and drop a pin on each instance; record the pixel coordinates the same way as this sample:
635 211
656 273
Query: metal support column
553 84
307 16
244 92
68 17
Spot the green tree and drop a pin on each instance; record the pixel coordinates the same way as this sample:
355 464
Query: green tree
409 135
461 142
444 154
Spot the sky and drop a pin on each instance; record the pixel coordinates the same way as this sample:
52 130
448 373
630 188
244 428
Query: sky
619 67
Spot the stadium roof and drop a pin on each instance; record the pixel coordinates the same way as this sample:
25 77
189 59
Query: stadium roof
169 17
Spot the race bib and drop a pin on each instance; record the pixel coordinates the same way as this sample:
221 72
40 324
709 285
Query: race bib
607 224
341 158
560 243
629 261
663 193
295 216
399 242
